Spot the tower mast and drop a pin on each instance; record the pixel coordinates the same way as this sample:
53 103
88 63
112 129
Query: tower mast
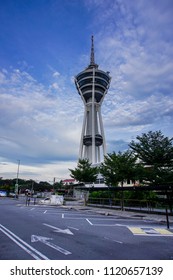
92 60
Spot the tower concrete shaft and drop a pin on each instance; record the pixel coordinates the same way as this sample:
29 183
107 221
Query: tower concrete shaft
92 85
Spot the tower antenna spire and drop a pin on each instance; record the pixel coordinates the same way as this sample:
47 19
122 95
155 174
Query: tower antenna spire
92 60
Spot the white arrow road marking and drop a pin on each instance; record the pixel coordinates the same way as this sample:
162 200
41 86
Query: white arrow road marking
44 240
67 231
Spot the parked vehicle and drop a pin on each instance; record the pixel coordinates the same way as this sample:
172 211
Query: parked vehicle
11 194
53 200
3 193
45 200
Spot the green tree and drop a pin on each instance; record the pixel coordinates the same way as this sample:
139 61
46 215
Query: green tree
84 172
156 152
44 186
120 167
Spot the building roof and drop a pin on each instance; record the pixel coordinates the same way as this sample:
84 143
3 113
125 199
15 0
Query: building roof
68 180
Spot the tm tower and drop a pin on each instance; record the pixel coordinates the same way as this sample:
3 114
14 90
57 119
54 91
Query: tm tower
92 85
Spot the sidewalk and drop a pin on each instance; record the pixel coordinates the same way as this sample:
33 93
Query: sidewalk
126 214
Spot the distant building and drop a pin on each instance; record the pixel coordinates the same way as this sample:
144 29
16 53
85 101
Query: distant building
69 181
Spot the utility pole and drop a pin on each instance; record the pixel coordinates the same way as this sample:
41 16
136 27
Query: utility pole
17 178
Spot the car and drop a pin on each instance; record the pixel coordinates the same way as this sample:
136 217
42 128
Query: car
11 194
45 200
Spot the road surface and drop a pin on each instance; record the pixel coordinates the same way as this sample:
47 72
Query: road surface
58 233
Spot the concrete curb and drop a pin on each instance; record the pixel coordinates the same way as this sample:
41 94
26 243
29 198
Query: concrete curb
123 214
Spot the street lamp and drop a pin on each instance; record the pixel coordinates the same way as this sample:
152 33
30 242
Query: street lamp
17 185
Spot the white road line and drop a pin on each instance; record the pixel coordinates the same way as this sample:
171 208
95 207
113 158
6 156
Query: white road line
19 242
104 219
89 222
107 238
62 215
113 219
117 241
32 209
20 245
70 218
104 225
83 216
35 238
45 212
58 248
73 228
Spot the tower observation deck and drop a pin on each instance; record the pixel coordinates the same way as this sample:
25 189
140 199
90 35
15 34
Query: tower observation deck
92 85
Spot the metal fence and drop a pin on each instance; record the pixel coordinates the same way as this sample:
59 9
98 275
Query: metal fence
150 206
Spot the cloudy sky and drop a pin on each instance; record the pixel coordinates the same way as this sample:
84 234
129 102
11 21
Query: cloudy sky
45 43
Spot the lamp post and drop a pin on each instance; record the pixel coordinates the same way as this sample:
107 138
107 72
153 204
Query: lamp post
17 185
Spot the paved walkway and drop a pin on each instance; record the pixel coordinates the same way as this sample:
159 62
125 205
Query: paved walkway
128 214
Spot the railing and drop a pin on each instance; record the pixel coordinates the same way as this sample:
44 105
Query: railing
150 206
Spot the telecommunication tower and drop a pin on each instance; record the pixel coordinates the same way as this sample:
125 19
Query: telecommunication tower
92 85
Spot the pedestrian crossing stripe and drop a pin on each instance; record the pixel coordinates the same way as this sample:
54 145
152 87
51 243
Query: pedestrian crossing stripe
136 230
150 231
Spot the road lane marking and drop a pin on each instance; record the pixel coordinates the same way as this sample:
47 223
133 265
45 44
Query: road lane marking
89 222
22 244
45 212
136 230
62 215
66 231
44 240
105 225
81 216
150 231
93 223
73 228
117 241
164 231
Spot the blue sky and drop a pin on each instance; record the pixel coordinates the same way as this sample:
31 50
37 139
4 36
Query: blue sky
45 43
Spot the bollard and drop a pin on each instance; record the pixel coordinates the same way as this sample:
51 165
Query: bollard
167 218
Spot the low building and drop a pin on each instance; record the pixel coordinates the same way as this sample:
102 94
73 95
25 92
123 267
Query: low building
69 182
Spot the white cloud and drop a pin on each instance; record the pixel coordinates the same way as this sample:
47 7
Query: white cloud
134 42
56 74
36 124
39 172
42 124
55 86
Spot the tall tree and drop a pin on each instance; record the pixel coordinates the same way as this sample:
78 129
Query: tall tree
156 152
119 167
84 172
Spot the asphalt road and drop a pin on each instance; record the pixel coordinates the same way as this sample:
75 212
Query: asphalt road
58 233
